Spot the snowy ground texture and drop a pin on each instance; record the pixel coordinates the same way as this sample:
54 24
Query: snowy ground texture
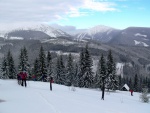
37 98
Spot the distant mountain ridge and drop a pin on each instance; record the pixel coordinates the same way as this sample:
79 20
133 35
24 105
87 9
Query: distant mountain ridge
131 36
35 32
100 33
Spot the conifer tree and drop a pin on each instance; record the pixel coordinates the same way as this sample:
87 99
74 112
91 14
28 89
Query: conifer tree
76 75
11 66
69 71
102 75
60 71
88 74
4 69
100 67
130 83
42 65
49 64
136 83
23 60
36 68
81 69
120 82
112 78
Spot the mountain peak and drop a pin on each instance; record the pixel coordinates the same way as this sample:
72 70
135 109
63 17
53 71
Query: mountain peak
99 29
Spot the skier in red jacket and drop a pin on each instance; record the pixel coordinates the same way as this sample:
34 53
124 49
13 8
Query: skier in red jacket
23 77
131 92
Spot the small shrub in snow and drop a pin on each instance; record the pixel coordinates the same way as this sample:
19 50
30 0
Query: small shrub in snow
144 98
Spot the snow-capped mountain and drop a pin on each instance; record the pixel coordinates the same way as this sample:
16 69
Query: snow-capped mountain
35 32
100 33
132 36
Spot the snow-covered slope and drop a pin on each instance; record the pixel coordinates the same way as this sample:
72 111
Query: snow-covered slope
133 36
34 30
37 98
100 32
52 32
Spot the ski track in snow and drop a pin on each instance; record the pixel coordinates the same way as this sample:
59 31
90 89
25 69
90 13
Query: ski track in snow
37 98
48 103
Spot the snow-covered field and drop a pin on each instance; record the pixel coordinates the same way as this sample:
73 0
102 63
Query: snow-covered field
37 98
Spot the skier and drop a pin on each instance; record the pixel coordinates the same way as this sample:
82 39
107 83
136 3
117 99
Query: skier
23 77
44 78
34 78
131 92
51 81
19 78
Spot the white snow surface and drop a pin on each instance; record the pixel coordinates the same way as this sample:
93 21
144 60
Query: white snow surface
17 38
119 69
37 98
139 42
138 34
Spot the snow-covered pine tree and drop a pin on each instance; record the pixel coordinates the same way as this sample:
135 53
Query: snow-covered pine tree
60 71
57 71
11 66
27 66
36 68
130 83
69 71
4 69
23 60
144 96
120 82
42 72
136 83
49 64
112 78
102 75
98 77
76 75
88 74
81 69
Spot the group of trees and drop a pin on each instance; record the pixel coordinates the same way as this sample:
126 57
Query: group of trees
137 83
70 72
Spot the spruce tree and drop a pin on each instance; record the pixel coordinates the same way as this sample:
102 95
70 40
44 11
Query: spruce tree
99 74
49 64
42 65
88 74
136 83
60 71
112 78
23 60
102 75
11 66
130 83
81 69
69 71
76 75
36 68
120 82
4 69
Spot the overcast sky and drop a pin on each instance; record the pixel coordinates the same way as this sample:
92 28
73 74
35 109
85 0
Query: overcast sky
79 13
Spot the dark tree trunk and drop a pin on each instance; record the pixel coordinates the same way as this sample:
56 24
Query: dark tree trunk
50 86
103 89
